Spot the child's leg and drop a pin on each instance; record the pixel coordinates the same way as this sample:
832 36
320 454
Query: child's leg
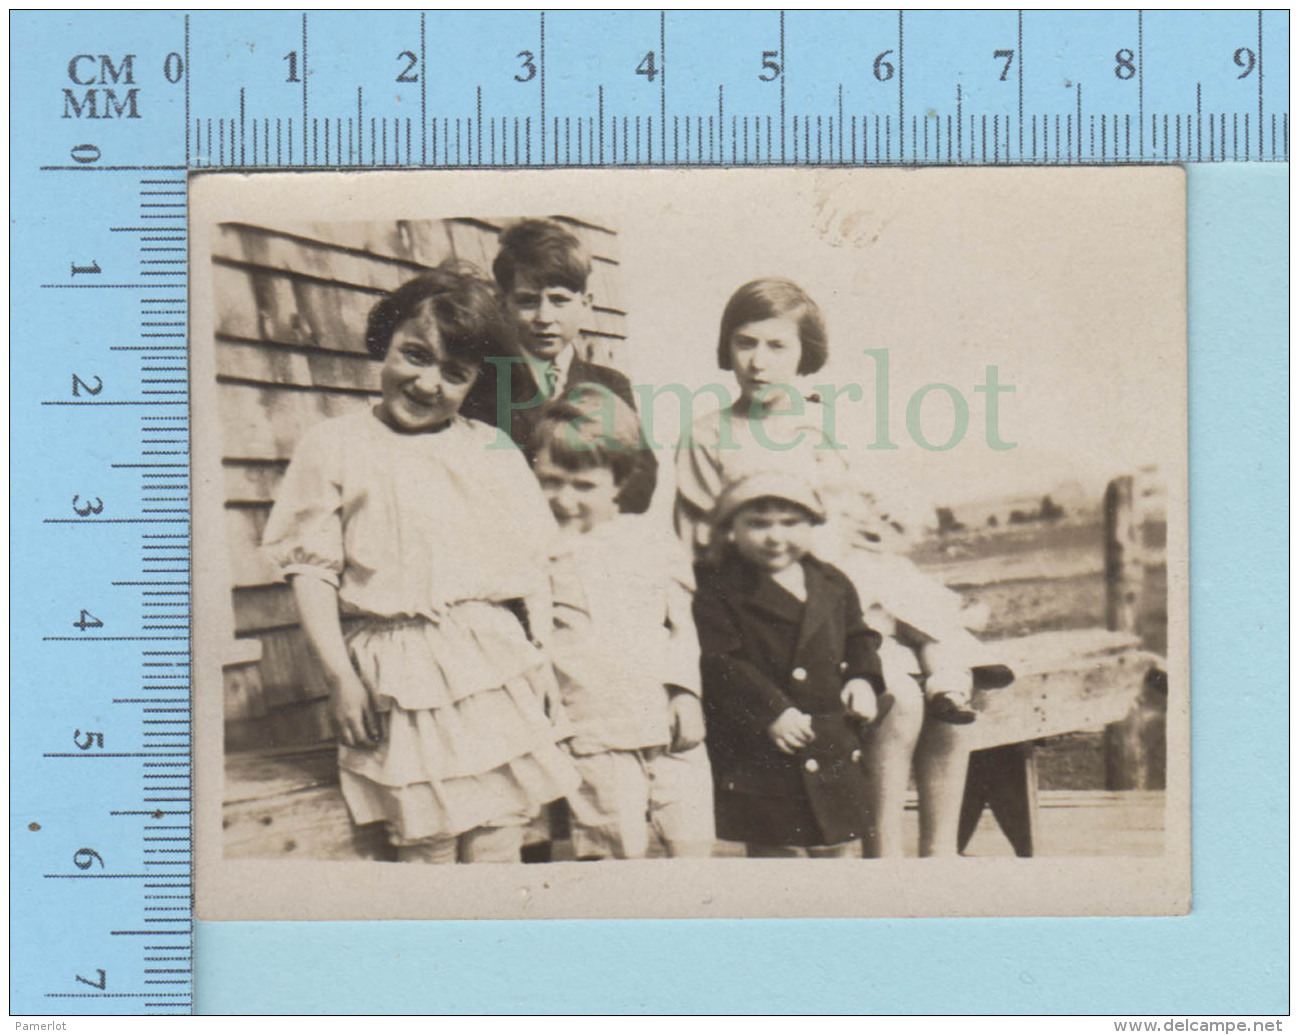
889 747
942 761
681 801
610 808
492 844
438 850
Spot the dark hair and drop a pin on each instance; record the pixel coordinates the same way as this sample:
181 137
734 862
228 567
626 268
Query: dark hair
590 428
770 297
468 308
545 252
770 503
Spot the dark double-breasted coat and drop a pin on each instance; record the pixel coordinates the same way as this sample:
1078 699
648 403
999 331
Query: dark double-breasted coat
762 651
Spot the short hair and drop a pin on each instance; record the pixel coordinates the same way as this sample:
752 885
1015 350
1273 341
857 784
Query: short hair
470 313
762 503
544 251
591 427
769 297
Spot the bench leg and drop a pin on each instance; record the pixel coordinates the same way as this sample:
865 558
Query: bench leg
1005 780
941 763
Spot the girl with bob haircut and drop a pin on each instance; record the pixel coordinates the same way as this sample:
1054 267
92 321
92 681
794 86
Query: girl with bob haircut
768 298
409 545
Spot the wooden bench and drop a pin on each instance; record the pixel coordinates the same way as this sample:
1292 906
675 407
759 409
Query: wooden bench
286 803
1065 682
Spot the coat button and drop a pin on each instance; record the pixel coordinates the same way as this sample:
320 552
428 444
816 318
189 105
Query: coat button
843 667
812 765
856 755
799 673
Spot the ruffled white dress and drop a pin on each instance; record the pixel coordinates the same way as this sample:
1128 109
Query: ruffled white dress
426 537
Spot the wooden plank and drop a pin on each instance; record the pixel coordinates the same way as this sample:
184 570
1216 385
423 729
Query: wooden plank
1045 651
266 423
418 241
244 527
267 364
265 305
252 776
252 481
429 242
277 365
266 248
237 305
1078 694
605 351
311 824
601 240
303 722
473 244
247 735
242 692
258 608
1083 824
607 322
289 671
337 315
605 286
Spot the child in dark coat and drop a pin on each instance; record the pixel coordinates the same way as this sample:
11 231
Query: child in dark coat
789 671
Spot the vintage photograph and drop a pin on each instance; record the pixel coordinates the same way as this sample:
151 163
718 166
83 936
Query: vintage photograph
690 543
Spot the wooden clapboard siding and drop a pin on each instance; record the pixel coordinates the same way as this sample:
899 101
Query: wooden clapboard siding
266 422
260 247
273 364
252 481
292 302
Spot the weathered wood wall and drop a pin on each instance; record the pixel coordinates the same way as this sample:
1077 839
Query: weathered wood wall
292 303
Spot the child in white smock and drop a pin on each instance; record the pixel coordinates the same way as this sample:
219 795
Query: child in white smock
624 646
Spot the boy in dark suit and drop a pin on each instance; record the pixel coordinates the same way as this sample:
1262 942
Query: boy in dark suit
789 670
543 269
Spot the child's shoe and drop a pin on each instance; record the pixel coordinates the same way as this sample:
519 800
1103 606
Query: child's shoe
948 707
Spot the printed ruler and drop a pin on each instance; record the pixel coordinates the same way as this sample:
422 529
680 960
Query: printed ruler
109 112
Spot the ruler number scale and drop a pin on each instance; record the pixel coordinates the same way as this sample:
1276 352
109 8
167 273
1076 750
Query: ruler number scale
111 116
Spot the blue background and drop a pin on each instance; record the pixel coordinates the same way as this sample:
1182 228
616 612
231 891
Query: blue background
1229 956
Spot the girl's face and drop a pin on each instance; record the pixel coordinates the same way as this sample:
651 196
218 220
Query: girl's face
580 500
422 386
764 354
771 534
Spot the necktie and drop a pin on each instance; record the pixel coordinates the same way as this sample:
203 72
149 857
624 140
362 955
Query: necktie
552 380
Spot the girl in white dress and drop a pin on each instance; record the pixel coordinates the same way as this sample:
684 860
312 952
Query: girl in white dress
415 543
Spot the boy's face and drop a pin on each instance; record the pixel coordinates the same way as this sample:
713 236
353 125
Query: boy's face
580 500
422 386
549 318
771 534
766 353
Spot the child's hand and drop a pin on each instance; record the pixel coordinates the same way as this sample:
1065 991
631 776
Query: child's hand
792 730
859 698
353 713
687 719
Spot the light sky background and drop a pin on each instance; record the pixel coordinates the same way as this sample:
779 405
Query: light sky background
1071 282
